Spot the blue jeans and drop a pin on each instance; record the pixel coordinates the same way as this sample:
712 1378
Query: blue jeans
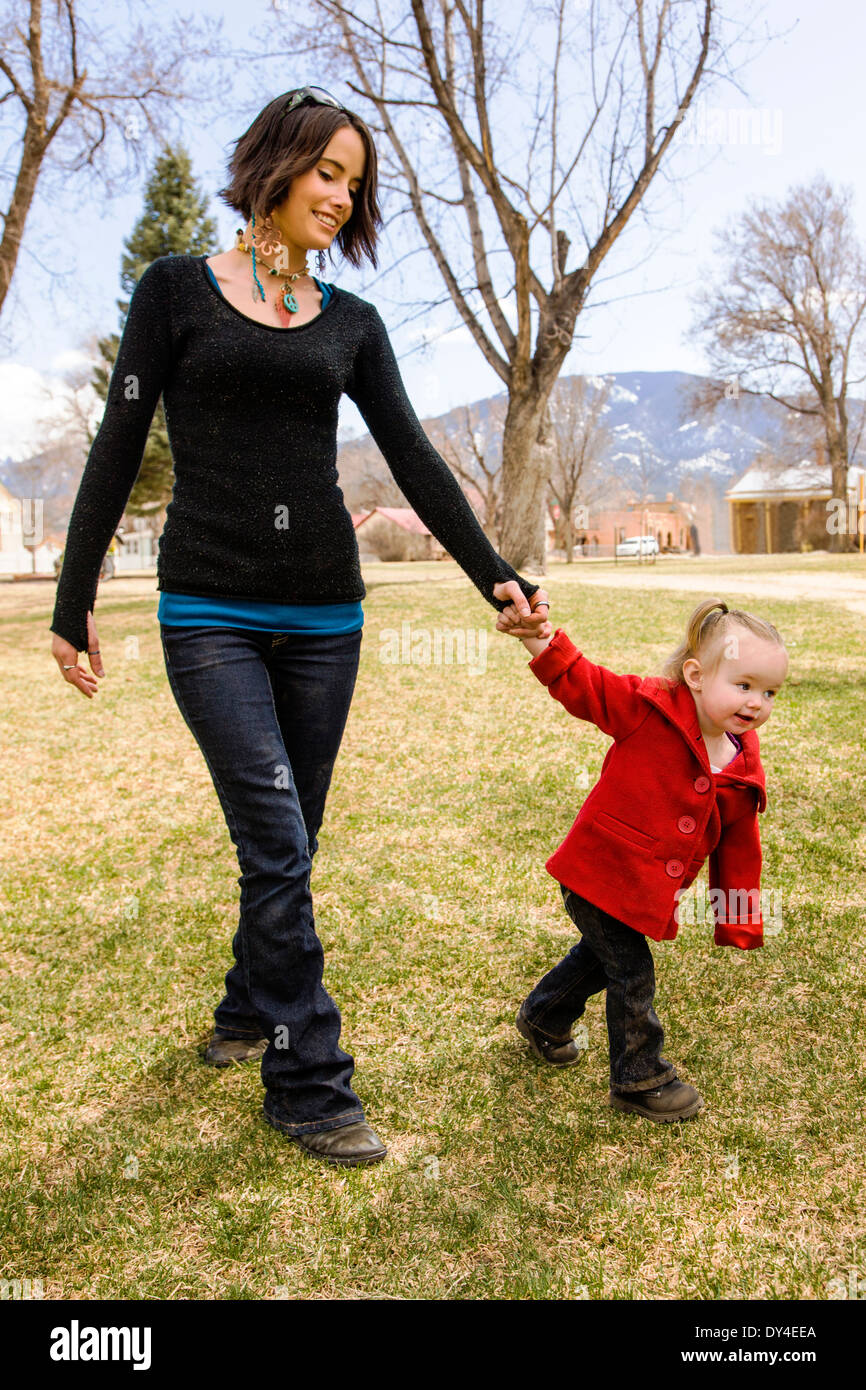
611 956
268 712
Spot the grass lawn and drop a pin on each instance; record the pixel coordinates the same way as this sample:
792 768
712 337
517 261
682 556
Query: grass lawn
131 1170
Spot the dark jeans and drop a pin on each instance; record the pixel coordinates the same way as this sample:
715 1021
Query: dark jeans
268 712
615 957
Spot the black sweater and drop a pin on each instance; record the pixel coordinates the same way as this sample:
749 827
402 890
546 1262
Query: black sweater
251 411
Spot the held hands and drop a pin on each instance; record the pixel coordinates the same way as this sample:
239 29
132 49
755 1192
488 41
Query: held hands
66 655
524 618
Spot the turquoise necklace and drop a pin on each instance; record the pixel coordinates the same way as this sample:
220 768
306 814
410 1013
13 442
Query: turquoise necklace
287 300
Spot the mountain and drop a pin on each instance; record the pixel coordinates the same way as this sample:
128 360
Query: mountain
650 416
659 443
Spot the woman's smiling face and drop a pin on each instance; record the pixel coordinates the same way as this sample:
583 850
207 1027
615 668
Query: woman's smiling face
738 693
321 201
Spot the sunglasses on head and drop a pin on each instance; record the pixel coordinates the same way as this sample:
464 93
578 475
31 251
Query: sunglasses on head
314 94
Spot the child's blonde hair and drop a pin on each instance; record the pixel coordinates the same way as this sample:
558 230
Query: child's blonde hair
706 628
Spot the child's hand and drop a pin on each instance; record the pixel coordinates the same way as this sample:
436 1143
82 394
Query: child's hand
513 624
529 616
509 620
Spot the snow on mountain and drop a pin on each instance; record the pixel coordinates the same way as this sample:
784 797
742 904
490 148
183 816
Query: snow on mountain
619 393
659 439
652 413
715 461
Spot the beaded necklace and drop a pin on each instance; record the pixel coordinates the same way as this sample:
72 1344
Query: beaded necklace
270 244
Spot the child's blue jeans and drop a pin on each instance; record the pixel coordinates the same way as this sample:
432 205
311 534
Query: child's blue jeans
611 956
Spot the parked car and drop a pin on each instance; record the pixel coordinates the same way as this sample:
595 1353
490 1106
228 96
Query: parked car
638 545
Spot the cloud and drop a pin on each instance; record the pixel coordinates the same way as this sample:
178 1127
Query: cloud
71 360
31 402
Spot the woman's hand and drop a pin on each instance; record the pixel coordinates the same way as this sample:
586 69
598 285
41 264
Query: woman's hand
525 617
66 655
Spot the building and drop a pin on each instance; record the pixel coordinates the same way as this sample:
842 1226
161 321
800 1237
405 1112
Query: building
679 527
139 547
25 548
395 533
779 508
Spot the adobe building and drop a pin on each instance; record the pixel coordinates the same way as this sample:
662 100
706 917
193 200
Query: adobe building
679 527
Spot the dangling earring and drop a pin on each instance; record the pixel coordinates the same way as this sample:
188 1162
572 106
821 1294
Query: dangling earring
287 303
253 250
320 263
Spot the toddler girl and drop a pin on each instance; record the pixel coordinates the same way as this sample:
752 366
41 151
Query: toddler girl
682 782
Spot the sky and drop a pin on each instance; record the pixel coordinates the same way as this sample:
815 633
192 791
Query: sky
804 88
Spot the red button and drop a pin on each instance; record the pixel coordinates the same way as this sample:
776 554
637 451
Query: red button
674 867
686 824
702 784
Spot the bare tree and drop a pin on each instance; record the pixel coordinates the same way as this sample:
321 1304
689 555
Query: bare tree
69 419
374 486
784 318
475 457
48 475
645 473
71 86
607 97
580 441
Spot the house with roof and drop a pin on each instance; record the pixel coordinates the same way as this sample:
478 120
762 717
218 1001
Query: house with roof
395 533
777 507
25 547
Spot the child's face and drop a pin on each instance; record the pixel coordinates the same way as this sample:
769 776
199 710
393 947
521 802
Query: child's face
739 692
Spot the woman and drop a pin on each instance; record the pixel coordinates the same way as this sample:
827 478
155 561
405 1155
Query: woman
260 585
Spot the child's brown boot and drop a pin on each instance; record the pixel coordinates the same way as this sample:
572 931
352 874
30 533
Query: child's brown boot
221 1052
673 1101
559 1052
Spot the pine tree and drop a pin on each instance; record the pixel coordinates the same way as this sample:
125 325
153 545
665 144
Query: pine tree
174 222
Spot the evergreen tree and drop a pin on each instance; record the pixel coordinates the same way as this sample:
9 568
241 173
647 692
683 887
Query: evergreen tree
174 223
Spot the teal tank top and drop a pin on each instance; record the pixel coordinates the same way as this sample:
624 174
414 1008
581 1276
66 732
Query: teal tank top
201 610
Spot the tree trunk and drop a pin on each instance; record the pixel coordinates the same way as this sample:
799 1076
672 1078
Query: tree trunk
524 485
837 456
22 198
840 539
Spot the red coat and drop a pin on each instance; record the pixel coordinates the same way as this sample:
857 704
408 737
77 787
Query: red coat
657 811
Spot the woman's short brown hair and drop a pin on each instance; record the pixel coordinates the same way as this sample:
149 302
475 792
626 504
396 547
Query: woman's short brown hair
278 146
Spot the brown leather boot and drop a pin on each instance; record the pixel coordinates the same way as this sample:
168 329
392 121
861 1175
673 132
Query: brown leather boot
348 1147
221 1052
559 1052
673 1101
